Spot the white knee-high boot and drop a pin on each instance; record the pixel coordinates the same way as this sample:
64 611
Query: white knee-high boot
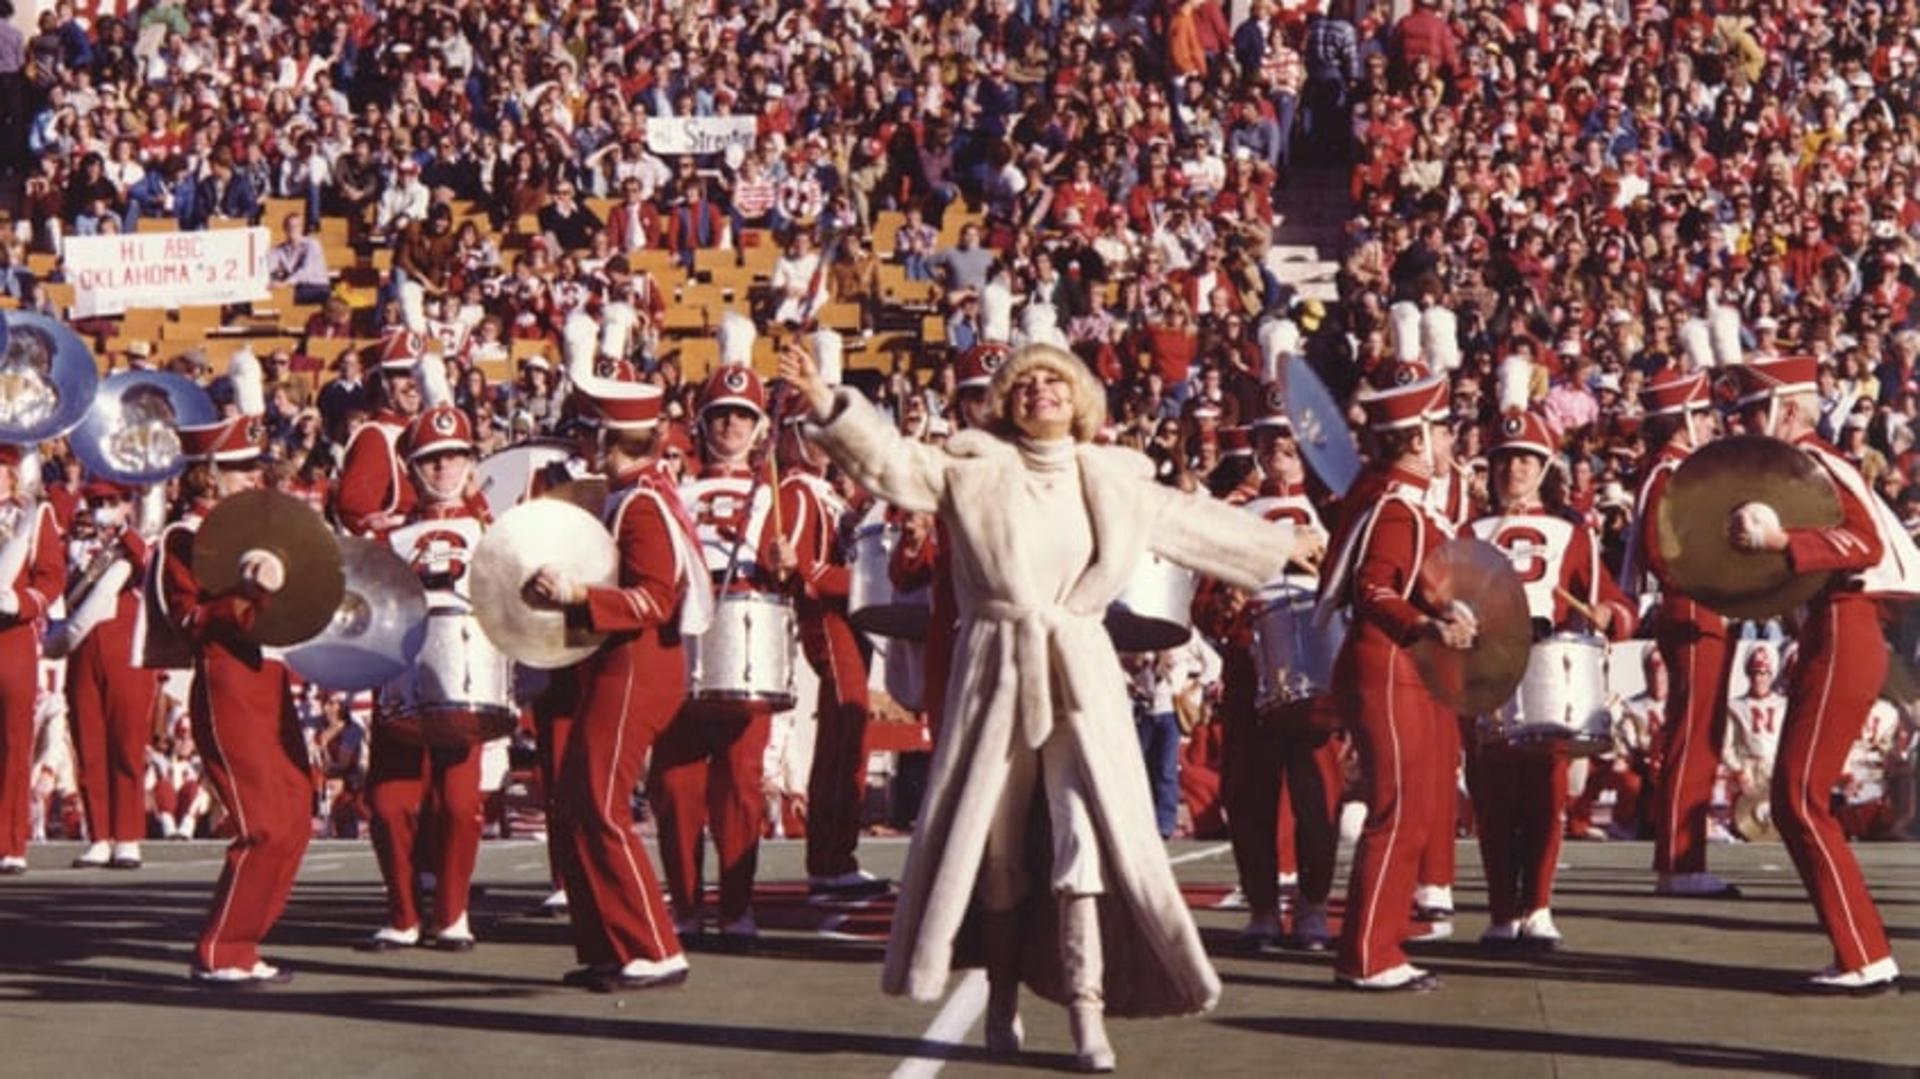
1083 963
1001 930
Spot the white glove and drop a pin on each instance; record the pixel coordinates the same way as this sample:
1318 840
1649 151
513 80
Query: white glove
263 570
1756 527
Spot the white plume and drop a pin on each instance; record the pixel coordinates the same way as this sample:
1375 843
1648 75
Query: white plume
579 340
736 335
1440 337
1279 338
1405 317
616 329
1723 325
249 383
1696 340
996 312
431 372
413 306
1513 383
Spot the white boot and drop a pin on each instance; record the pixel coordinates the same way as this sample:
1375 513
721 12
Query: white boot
125 856
1538 930
96 856
1085 968
1001 933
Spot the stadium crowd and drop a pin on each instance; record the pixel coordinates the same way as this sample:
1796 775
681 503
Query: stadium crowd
1606 188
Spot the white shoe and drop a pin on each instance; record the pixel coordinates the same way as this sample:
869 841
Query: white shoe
1310 932
1881 974
1406 976
1538 928
651 973
1261 929
96 856
387 939
13 864
1434 897
457 937
1695 884
1234 900
1426 932
125 856
556 903
1501 933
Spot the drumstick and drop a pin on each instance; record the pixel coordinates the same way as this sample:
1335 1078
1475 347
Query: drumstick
1586 610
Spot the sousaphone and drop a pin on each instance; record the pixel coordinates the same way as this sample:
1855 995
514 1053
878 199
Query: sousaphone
131 434
47 378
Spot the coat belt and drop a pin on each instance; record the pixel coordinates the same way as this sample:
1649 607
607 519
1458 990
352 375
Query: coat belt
1046 640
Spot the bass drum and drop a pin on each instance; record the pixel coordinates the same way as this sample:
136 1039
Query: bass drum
1292 651
511 476
747 653
1156 610
1561 705
459 691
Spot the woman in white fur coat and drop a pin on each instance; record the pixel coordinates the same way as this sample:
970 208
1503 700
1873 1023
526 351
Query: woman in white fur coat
1037 839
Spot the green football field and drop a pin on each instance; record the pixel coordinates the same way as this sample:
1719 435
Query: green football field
93 964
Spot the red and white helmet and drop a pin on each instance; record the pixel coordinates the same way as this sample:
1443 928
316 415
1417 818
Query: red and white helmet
734 386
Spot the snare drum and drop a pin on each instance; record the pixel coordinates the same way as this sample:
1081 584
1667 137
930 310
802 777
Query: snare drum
458 692
1293 651
1562 701
746 654
1156 610
873 605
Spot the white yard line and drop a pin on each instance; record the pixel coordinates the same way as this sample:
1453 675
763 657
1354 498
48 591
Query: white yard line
1201 855
957 1016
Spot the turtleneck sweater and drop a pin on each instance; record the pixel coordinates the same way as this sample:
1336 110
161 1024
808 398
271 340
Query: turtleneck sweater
1053 512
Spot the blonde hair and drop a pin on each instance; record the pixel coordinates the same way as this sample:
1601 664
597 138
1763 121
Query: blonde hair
1089 399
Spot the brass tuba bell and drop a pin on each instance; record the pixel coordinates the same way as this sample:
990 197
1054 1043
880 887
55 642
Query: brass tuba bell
131 434
47 379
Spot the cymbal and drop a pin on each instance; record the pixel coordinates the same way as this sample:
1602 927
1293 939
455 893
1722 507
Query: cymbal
377 629
588 492
290 529
1484 677
542 532
1753 817
1321 426
1691 525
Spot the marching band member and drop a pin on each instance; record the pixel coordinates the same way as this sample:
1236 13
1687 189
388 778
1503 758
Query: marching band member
629 691
1692 639
1451 497
803 559
242 712
1039 710
1279 780
1389 712
921 559
1520 796
411 787
1841 662
33 566
373 495
709 763
110 701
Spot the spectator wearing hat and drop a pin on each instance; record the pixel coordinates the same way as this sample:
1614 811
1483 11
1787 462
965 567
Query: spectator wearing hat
405 199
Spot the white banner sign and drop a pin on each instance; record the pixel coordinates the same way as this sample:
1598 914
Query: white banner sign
112 274
701 134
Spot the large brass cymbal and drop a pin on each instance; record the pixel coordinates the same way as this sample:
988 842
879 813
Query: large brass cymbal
541 532
377 629
1478 680
291 530
1691 525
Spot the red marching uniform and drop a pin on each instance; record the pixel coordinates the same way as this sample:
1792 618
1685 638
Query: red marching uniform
1388 709
710 763
39 577
1449 496
1693 643
810 513
413 788
243 723
629 692
1842 662
1280 781
373 478
1520 797
110 701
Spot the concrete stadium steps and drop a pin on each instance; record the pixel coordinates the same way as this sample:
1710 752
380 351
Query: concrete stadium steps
1312 212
